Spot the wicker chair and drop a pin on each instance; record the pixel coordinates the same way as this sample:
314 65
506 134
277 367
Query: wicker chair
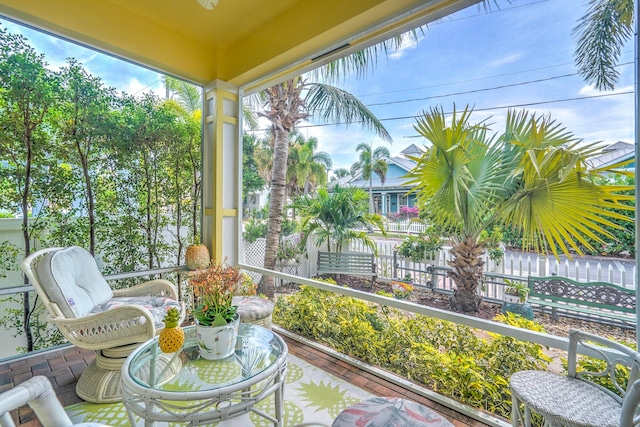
575 400
39 395
93 316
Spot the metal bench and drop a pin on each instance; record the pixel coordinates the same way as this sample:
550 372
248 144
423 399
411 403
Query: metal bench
600 299
352 263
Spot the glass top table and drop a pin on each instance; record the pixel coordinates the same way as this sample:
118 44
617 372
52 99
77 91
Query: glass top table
183 387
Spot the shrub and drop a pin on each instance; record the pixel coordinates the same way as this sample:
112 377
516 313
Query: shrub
447 357
254 230
409 212
422 246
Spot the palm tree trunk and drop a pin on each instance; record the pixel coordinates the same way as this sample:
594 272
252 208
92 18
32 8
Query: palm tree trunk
286 110
274 224
467 274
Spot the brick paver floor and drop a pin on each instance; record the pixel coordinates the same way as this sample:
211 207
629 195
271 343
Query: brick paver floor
64 366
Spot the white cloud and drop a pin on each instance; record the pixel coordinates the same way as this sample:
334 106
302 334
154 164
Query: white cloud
590 90
408 44
135 87
514 57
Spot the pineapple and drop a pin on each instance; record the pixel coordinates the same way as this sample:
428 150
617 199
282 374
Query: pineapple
172 336
197 257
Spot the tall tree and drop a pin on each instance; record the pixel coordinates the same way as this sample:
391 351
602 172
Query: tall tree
533 177
308 167
369 163
263 156
287 104
84 112
188 95
251 179
340 173
28 90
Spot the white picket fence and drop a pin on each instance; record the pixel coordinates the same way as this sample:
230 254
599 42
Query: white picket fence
520 265
404 226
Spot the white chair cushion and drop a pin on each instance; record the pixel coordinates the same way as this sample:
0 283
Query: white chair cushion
158 306
71 279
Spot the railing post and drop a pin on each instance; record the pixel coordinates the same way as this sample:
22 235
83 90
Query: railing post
395 264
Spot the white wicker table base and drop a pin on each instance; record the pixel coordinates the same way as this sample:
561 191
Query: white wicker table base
561 400
256 371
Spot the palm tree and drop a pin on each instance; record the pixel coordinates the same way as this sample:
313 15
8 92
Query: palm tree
601 34
308 168
263 156
333 218
532 177
286 105
340 173
371 162
188 95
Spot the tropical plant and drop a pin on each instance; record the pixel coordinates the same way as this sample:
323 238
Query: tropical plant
188 95
337 218
516 288
443 355
340 173
307 168
290 249
371 162
533 177
287 104
601 34
252 182
214 288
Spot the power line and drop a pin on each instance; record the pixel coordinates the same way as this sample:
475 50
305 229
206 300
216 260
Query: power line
529 104
466 81
401 101
480 90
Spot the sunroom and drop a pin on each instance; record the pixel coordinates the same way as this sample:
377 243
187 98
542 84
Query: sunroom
235 48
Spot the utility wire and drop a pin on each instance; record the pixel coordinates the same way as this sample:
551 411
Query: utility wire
480 90
528 104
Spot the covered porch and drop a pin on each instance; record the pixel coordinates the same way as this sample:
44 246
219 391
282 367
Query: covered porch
236 49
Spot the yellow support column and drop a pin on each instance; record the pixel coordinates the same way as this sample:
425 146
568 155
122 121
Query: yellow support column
220 170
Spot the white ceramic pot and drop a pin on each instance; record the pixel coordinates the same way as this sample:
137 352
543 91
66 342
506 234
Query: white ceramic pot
217 342
513 299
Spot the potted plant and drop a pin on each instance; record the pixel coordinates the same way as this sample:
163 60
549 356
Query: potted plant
516 292
402 288
215 315
288 252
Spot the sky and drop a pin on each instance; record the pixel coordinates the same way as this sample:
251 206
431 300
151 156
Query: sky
519 55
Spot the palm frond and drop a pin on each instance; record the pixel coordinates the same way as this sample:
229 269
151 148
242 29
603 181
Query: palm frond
337 105
601 34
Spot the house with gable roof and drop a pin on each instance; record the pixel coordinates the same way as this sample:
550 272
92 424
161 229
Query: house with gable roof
393 195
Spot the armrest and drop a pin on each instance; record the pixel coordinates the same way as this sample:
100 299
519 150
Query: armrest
119 326
152 288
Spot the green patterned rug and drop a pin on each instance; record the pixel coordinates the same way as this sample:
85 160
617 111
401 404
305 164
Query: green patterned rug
310 394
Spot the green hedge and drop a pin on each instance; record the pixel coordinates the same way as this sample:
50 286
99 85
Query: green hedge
451 359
